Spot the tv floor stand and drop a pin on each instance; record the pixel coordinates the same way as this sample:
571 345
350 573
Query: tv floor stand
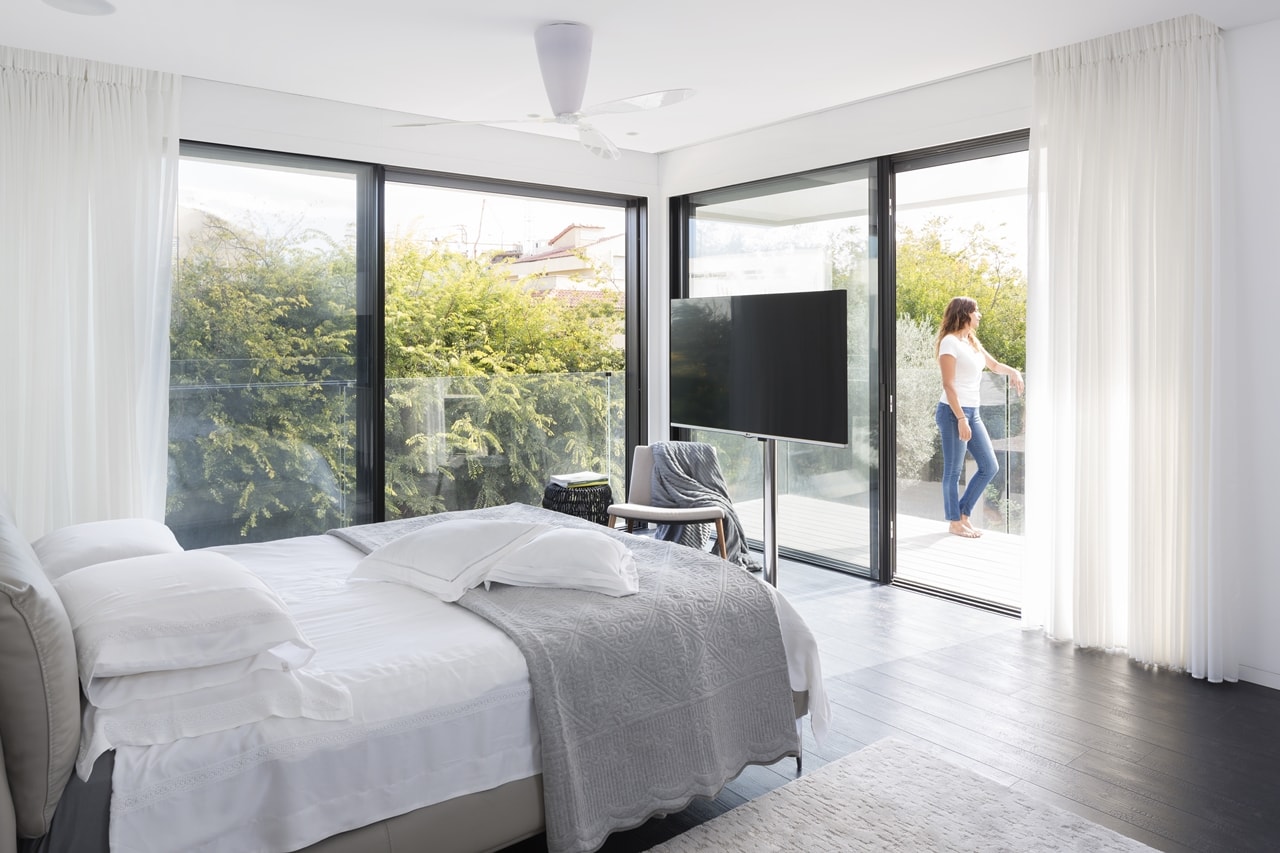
770 511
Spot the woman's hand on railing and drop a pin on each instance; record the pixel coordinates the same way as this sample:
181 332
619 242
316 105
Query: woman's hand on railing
1015 379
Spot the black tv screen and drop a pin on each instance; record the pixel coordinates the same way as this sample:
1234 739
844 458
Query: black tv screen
771 365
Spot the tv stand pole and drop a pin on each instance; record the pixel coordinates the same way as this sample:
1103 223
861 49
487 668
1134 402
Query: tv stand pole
770 511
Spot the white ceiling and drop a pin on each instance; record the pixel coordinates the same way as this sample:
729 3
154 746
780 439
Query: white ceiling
751 63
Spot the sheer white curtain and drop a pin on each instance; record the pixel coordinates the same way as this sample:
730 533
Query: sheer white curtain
1126 264
88 172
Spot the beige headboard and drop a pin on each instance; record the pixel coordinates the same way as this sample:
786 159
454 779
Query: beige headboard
40 702
8 829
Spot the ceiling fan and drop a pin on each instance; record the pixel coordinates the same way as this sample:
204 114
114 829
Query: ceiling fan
564 54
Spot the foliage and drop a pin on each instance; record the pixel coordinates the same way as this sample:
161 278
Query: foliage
484 379
917 401
499 370
260 340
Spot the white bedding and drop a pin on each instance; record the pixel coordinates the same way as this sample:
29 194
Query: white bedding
442 707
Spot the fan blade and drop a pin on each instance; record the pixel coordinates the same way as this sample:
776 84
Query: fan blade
648 101
596 142
443 121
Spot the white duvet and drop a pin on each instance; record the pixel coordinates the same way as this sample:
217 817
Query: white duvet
441 707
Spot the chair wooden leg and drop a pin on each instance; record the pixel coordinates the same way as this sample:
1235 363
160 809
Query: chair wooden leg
613 522
724 549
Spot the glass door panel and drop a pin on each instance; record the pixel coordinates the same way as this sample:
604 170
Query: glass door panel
801 233
505 347
961 230
263 371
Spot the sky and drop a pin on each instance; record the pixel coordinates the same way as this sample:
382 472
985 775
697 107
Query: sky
992 190
325 201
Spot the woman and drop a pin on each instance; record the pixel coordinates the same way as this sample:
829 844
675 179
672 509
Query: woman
962 358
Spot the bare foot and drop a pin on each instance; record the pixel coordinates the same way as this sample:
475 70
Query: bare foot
964 519
959 528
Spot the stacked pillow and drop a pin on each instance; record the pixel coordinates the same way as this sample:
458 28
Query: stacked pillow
78 545
448 558
181 644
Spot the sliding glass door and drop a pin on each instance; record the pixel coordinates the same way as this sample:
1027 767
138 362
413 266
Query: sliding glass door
352 343
960 228
807 232
506 356
264 374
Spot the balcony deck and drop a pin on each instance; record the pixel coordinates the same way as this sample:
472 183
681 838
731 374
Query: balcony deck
988 568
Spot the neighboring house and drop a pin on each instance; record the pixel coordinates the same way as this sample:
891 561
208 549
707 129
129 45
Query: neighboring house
580 260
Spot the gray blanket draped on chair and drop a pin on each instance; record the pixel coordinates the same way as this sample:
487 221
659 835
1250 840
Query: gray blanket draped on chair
686 474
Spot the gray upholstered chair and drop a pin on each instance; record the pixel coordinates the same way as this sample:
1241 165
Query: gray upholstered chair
638 508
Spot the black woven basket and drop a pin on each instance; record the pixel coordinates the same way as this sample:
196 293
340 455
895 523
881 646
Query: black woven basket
589 502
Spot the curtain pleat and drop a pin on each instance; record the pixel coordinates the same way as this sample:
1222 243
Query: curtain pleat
88 183
1125 260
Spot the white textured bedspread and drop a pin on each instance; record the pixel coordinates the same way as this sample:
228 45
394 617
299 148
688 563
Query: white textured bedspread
645 701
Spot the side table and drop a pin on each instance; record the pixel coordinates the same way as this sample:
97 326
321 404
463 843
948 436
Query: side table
589 502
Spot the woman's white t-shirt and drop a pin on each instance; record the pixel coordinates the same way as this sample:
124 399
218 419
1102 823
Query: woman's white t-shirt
969 366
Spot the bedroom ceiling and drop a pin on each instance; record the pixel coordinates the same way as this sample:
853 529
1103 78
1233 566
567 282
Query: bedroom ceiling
752 64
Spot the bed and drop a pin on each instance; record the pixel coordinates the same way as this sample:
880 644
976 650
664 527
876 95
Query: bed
456 740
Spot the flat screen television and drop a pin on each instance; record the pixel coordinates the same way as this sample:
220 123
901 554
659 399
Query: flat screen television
770 365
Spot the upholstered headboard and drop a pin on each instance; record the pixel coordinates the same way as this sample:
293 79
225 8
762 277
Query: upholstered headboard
40 699
8 827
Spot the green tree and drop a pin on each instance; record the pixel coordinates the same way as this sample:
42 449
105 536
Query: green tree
491 382
918 389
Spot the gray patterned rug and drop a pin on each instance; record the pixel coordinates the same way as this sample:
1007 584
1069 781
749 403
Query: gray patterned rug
892 796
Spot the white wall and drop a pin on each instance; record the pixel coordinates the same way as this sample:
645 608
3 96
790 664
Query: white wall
1250 404
261 118
982 103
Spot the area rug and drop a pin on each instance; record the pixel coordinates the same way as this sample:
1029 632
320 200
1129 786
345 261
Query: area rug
893 796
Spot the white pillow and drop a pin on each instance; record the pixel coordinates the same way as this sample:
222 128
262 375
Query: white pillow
172 611
78 545
117 690
573 559
447 558
252 699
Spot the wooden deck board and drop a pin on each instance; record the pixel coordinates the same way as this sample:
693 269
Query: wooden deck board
988 568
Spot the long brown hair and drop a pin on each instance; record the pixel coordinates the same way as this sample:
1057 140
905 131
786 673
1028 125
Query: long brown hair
959 313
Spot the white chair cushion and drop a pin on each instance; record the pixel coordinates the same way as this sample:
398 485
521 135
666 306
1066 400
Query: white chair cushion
666 515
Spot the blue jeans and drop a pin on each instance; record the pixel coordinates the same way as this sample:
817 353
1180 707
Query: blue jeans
954 504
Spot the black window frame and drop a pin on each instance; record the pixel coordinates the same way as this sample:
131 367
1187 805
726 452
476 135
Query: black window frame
368 503
882 233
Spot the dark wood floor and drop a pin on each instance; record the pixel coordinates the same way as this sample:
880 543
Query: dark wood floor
1174 762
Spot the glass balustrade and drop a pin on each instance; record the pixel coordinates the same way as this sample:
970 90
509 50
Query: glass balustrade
253 460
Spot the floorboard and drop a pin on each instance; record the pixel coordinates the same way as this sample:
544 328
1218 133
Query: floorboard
1176 763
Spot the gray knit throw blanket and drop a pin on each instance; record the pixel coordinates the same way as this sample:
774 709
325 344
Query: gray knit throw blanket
686 474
